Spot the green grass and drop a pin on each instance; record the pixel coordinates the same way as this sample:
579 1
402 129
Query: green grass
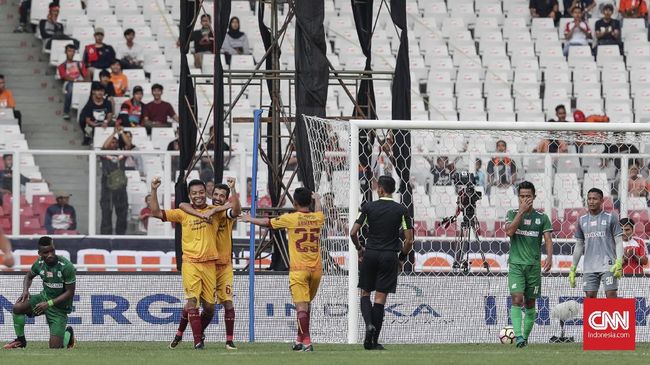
156 353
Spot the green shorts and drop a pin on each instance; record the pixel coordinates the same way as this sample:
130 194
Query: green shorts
525 279
57 318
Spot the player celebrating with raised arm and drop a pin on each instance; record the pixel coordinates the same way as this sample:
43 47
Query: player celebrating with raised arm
526 227
599 235
222 194
379 260
199 255
305 266
55 300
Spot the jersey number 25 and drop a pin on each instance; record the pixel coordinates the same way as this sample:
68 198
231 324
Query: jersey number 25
308 242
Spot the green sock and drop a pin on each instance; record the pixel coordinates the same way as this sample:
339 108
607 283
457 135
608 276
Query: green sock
66 339
19 325
515 317
529 321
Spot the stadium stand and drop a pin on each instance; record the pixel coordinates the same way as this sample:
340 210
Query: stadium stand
479 60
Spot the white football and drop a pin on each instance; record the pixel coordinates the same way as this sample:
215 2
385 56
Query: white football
507 335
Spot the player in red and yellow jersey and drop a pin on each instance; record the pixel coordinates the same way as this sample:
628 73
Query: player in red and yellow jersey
199 255
222 194
305 266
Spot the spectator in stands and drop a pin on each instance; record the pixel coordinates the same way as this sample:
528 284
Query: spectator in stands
23 11
249 191
236 41
131 110
60 216
105 81
70 71
545 9
608 30
158 112
7 101
335 225
501 170
622 148
480 178
113 187
203 40
130 54
6 176
633 8
174 146
441 170
585 5
132 162
145 212
119 79
98 112
209 187
560 114
577 32
50 28
637 185
98 55
635 253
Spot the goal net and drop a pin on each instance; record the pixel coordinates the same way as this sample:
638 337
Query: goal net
459 180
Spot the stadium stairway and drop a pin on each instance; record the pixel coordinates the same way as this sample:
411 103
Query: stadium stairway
40 100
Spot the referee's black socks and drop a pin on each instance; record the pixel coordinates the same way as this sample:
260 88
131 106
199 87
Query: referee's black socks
366 310
377 318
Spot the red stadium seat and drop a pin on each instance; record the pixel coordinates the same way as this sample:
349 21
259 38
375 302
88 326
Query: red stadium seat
572 214
31 226
5 224
608 204
499 229
27 212
40 203
639 216
420 228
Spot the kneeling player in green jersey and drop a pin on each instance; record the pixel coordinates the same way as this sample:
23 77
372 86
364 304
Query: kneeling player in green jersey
55 301
526 227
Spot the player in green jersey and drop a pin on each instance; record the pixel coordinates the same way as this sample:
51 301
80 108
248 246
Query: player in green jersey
55 300
526 227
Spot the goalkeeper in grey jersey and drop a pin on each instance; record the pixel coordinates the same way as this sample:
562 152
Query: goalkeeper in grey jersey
599 235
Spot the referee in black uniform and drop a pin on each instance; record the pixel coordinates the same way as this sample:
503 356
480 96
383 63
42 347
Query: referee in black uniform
380 263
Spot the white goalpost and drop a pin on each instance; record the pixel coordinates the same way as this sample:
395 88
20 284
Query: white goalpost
348 155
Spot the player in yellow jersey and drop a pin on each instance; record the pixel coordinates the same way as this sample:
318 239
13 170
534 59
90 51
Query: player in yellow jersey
222 194
305 266
199 254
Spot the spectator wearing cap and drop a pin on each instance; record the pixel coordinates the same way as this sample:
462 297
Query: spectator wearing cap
119 79
635 253
236 41
98 55
158 112
7 101
129 53
131 110
608 30
50 28
633 8
98 112
105 81
576 32
70 71
203 40
60 216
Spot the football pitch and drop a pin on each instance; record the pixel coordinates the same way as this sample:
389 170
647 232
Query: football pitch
119 353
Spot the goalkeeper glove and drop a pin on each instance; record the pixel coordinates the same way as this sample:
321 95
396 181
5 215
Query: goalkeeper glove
617 269
572 276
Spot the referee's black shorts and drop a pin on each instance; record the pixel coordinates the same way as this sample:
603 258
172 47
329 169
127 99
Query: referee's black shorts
379 270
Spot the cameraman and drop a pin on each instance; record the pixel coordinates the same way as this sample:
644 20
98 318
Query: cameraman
501 170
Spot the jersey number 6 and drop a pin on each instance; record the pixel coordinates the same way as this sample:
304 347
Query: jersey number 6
309 236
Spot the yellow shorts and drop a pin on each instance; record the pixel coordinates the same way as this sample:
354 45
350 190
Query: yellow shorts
304 285
224 283
199 280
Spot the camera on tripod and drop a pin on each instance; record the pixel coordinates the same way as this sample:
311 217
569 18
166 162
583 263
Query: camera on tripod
467 194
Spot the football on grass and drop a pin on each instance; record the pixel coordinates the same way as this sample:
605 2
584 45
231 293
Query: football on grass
507 335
